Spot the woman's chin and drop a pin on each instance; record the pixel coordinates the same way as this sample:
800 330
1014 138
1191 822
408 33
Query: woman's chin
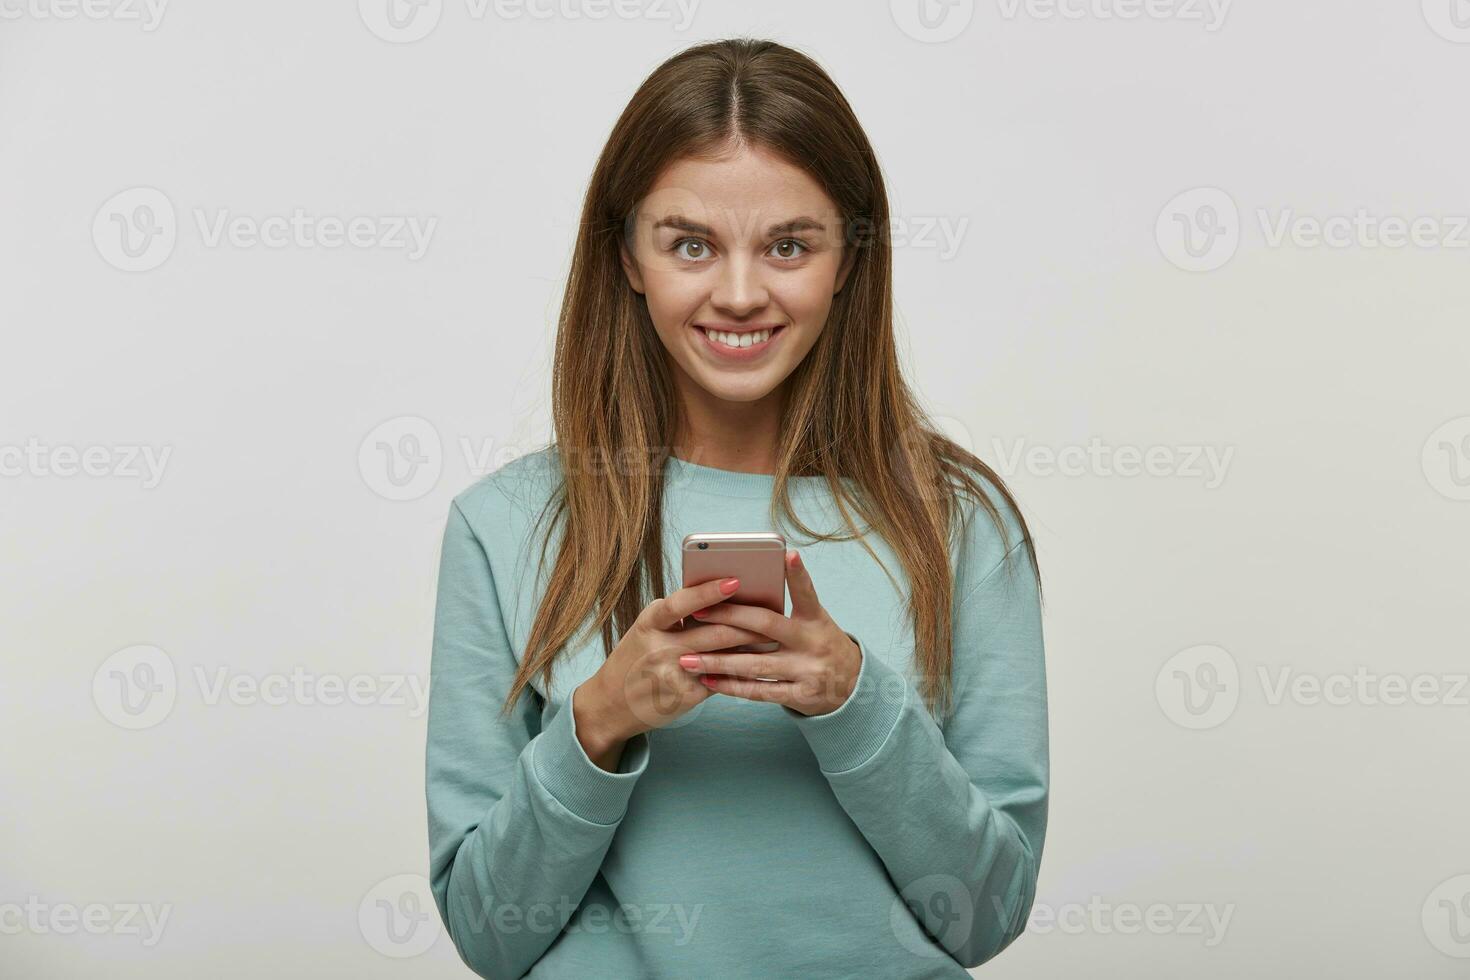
748 387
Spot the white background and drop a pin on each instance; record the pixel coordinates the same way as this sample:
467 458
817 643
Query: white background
1065 315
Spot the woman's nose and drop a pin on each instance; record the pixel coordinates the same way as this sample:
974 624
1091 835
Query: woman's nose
740 288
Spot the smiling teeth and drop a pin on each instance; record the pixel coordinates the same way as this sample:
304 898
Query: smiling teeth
738 339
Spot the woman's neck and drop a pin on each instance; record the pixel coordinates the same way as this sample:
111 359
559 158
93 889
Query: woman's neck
728 435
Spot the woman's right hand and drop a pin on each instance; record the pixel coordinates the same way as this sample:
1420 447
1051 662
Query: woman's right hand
641 685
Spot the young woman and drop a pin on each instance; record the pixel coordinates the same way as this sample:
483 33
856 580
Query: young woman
611 795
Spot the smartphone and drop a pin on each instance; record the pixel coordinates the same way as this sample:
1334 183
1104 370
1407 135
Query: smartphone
757 558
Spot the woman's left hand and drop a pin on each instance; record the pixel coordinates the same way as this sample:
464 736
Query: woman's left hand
816 668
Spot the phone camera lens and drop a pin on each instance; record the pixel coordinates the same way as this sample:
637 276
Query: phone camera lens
703 545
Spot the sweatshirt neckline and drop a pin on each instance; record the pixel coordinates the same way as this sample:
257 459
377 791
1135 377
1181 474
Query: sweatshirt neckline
683 475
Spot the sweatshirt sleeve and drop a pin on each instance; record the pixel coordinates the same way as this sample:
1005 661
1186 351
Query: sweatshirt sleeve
957 815
519 817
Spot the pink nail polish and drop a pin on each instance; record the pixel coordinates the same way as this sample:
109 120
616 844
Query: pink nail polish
700 613
729 586
689 660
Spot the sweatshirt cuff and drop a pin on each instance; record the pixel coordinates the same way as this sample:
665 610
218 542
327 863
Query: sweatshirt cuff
578 783
852 734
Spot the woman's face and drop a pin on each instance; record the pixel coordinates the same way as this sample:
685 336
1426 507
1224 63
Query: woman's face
728 252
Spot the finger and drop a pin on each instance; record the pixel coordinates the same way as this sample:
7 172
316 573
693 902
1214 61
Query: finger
804 601
758 619
711 637
664 613
781 692
746 665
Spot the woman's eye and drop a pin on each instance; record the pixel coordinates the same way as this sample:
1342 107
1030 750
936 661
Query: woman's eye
792 243
693 249
699 246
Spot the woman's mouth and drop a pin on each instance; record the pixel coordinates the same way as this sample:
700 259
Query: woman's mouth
742 344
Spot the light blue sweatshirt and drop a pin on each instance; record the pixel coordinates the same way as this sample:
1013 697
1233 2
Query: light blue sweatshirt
744 839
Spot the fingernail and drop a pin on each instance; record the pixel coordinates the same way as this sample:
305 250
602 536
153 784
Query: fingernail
700 613
795 558
689 660
729 585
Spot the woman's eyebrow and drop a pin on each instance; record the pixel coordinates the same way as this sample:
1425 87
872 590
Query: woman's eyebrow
681 223
796 224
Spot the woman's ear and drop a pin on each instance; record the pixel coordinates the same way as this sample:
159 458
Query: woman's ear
849 257
630 268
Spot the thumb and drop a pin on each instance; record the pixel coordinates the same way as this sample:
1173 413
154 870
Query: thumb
804 601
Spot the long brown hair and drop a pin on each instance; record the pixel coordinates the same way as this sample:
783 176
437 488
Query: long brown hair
848 412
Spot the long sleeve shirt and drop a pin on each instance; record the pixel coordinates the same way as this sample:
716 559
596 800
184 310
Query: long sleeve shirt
744 838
